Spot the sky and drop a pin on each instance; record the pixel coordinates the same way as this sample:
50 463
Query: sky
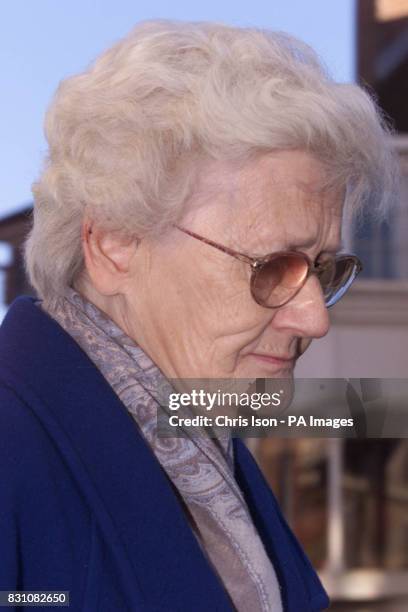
44 41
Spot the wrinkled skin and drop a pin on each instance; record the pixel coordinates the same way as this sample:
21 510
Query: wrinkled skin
189 305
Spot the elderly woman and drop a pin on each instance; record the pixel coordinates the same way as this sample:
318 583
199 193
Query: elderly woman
187 224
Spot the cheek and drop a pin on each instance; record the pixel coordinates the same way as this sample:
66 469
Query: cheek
238 335
219 296
236 311
208 303
238 316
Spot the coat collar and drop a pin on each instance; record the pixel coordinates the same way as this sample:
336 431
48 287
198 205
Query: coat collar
110 459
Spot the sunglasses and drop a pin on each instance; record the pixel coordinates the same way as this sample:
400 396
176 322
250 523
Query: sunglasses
276 278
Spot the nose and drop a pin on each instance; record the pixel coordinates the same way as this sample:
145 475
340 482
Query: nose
306 314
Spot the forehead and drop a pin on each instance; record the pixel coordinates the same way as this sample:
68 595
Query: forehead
279 199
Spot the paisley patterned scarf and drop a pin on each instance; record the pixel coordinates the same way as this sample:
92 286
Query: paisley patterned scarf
200 469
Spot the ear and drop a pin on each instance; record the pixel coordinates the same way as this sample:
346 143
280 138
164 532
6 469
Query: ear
108 255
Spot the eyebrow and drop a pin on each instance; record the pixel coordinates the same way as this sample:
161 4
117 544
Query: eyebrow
340 246
305 244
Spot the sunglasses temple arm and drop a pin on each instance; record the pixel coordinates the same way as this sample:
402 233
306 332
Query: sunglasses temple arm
228 251
240 256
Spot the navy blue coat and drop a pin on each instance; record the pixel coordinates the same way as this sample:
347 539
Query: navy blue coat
85 506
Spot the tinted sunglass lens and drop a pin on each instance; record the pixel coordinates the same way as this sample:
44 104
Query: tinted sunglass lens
277 280
346 269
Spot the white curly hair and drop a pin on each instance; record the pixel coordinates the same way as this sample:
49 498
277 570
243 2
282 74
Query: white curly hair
128 136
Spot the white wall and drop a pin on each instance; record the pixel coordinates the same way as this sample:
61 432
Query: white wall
368 338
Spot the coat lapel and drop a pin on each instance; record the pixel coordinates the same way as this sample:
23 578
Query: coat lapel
161 563
301 587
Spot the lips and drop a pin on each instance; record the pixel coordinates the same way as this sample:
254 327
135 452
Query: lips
276 359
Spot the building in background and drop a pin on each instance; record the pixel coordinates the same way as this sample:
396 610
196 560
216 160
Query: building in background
13 230
382 55
382 67
348 499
